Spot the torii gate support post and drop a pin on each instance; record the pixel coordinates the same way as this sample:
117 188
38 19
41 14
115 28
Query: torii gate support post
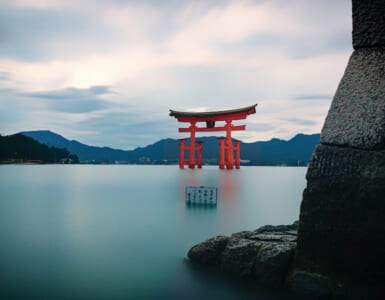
199 149
229 146
191 148
238 154
181 153
221 153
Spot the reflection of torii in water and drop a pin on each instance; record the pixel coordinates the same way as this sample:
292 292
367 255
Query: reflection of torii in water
225 144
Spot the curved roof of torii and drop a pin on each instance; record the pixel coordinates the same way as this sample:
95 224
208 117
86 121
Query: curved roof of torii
207 114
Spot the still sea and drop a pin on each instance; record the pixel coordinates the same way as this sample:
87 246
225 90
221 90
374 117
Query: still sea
123 232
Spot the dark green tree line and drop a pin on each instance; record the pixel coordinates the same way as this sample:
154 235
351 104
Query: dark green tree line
22 148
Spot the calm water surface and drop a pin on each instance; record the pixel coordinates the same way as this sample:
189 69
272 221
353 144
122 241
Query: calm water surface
122 232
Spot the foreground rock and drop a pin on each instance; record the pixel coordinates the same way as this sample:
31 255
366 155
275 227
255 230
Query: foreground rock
341 234
264 255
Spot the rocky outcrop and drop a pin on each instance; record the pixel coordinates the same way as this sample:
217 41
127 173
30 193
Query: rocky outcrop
208 252
341 236
263 255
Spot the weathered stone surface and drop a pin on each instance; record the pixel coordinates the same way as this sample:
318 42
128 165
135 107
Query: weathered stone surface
314 285
264 255
241 234
272 263
208 252
238 256
278 228
342 219
343 164
368 23
357 115
341 231
275 237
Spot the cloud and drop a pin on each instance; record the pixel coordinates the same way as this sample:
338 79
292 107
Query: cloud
302 122
314 97
30 35
70 93
73 100
4 76
191 32
100 90
109 72
126 130
261 127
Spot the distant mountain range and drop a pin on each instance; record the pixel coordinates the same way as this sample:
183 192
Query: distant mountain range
296 151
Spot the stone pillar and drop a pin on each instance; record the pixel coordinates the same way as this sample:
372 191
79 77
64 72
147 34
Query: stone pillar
342 219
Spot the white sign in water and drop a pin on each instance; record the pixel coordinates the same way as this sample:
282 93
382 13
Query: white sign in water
201 195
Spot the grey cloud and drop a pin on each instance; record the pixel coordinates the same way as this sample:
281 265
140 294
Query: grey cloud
296 47
301 122
305 47
70 93
327 27
126 130
42 34
73 100
7 91
215 86
31 34
324 30
260 127
14 108
5 76
129 122
100 89
314 97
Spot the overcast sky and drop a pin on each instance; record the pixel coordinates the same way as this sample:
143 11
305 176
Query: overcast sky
106 72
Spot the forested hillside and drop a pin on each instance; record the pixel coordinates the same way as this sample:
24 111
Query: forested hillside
19 148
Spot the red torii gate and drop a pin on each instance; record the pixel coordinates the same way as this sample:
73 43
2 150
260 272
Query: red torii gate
226 148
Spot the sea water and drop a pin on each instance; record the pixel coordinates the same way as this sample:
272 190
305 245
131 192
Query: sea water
123 232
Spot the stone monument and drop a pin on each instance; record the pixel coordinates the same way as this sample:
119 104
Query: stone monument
341 235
